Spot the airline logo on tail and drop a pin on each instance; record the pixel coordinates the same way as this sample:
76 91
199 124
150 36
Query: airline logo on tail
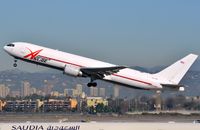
182 62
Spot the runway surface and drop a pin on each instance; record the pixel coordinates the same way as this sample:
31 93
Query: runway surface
57 117
61 121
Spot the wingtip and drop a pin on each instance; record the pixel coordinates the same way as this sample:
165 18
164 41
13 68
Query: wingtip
193 54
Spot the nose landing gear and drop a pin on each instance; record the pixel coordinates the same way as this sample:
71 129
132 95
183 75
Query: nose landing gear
15 63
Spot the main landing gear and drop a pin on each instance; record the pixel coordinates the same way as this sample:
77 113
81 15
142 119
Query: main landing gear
92 83
15 63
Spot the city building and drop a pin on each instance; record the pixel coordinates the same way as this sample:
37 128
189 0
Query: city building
56 105
55 94
39 104
4 90
15 93
20 106
74 93
79 89
73 103
70 92
102 92
2 105
50 105
47 87
66 92
93 101
116 91
94 91
25 89
33 90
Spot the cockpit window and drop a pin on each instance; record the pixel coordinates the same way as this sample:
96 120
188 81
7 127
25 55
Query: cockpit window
11 45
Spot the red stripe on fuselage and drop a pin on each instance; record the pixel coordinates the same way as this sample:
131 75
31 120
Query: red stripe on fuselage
132 79
63 61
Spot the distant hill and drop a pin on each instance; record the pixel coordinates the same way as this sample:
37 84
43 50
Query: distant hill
148 70
196 65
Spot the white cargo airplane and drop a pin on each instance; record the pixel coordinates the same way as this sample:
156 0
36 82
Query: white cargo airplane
75 65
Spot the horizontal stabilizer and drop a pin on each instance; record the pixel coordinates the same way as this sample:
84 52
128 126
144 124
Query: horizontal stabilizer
173 87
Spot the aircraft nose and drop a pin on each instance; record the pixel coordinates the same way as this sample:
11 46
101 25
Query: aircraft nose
5 48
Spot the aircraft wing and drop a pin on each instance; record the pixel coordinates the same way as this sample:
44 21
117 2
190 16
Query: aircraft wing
99 73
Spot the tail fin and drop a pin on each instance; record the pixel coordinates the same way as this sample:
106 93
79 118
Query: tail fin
176 71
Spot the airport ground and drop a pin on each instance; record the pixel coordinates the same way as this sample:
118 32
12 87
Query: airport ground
62 117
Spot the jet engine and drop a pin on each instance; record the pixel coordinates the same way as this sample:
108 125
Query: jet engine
72 70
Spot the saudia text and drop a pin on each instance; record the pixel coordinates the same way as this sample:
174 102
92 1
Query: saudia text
41 127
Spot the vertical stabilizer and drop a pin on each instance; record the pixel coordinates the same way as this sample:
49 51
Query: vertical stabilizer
176 71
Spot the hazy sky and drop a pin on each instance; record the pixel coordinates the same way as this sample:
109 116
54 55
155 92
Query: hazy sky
144 33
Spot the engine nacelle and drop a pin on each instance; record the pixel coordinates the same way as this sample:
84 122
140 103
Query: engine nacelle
72 70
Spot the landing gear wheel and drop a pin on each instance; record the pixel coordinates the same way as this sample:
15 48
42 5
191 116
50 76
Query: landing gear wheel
92 84
15 65
89 85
